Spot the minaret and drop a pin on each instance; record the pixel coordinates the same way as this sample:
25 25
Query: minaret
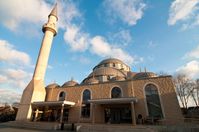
35 91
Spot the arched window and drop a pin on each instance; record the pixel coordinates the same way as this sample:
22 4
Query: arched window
153 101
85 111
86 95
116 92
62 96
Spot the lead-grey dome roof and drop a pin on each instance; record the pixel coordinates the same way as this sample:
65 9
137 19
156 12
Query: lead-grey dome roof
52 85
113 62
70 83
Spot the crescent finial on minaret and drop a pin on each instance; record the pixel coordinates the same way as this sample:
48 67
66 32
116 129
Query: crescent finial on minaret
54 12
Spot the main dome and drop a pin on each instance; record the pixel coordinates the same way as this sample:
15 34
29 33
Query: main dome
113 62
107 70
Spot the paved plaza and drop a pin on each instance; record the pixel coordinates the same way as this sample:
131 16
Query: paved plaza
14 129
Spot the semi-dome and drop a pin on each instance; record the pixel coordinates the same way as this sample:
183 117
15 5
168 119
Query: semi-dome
70 83
142 75
91 81
53 85
119 78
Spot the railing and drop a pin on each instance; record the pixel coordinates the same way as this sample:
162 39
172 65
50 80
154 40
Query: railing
168 121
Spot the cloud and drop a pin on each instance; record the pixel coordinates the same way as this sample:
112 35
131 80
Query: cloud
3 79
191 69
16 74
128 11
121 38
8 96
10 55
101 47
68 12
183 10
75 38
14 78
81 41
193 54
18 13
15 13
73 34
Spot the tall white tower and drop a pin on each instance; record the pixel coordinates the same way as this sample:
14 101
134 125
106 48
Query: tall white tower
35 91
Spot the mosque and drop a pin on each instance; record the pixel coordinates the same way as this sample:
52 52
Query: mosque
111 94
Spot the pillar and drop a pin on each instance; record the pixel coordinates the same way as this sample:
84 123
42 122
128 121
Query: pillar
133 114
36 114
93 113
62 112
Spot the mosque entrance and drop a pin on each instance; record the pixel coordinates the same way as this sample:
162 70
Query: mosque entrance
51 111
118 115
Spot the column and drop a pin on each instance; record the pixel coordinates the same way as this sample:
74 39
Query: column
62 112
36 114
133 114
93 113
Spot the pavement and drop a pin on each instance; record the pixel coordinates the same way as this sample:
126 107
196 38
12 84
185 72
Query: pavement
4 128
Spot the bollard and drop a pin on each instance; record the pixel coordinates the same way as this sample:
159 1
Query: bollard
72 127
62 126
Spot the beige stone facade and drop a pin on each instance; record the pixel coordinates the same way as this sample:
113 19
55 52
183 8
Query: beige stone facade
130 88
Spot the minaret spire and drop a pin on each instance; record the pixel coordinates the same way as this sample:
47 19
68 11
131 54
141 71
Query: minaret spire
54 12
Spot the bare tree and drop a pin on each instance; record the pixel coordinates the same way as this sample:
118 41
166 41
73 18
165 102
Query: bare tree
195 93
184 89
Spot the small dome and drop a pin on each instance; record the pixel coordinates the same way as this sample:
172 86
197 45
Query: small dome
142 75
70 83
53 85
92 81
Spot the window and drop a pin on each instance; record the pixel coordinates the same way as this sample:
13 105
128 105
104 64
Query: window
85 110
153 101
106 65
86 95
113 64
116 92
62 96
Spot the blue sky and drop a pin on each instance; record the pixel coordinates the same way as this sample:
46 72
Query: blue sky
162 36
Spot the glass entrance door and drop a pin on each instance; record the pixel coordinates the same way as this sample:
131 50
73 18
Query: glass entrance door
118 115
115 116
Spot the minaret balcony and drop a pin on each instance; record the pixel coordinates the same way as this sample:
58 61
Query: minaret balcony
51 27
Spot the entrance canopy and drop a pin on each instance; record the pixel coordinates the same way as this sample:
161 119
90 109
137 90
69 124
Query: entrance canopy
114 100
53 103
